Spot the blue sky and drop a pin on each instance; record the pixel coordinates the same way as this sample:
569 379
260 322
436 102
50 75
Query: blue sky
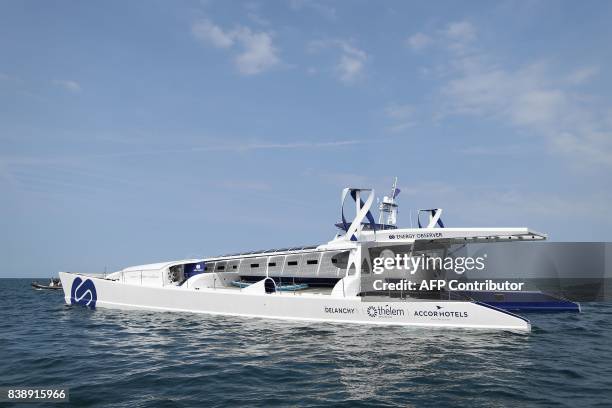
133 132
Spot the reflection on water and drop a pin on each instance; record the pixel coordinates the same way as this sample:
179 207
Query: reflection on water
152 359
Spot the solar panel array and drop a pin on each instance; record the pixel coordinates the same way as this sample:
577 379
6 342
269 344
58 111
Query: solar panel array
269 251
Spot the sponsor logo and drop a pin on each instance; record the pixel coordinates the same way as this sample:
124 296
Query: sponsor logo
372 311
83 292
340 310
386 311
440 313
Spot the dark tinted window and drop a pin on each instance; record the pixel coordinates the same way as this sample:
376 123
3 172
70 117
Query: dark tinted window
292 263
272 264
312 262
254 265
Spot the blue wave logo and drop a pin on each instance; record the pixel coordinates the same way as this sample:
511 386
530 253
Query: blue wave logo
83 292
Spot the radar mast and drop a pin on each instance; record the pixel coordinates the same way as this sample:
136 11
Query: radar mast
388 208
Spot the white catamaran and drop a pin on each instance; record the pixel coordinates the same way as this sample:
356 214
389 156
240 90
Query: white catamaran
312 283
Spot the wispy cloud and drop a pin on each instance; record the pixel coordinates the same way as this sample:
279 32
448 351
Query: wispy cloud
351 60
70 174
460 31
401 116
582 75
243 147
494 206
254 185
321 8
258 53
342 179
533 96
68 85
419 41
253 11
274 146
507 150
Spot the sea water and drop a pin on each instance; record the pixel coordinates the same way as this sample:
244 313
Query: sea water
153 359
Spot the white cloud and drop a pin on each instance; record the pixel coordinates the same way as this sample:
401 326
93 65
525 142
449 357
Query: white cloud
212 34
419 41
530 98
534 107
258 53
352 60
349 68
68 85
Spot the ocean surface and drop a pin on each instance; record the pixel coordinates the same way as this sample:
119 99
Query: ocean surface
150 359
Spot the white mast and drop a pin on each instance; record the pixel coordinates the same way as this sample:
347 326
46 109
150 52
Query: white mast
388 207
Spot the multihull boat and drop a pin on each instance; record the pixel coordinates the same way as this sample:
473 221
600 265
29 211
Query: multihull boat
340 269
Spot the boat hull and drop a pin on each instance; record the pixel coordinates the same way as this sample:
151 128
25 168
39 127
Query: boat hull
95 292
38 286
529 301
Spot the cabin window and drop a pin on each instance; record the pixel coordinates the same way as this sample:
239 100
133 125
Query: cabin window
292 263
312 262
235 267
334 261
220 268
272 264
254 265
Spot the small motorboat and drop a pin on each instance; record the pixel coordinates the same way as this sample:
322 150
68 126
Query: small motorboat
54 284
